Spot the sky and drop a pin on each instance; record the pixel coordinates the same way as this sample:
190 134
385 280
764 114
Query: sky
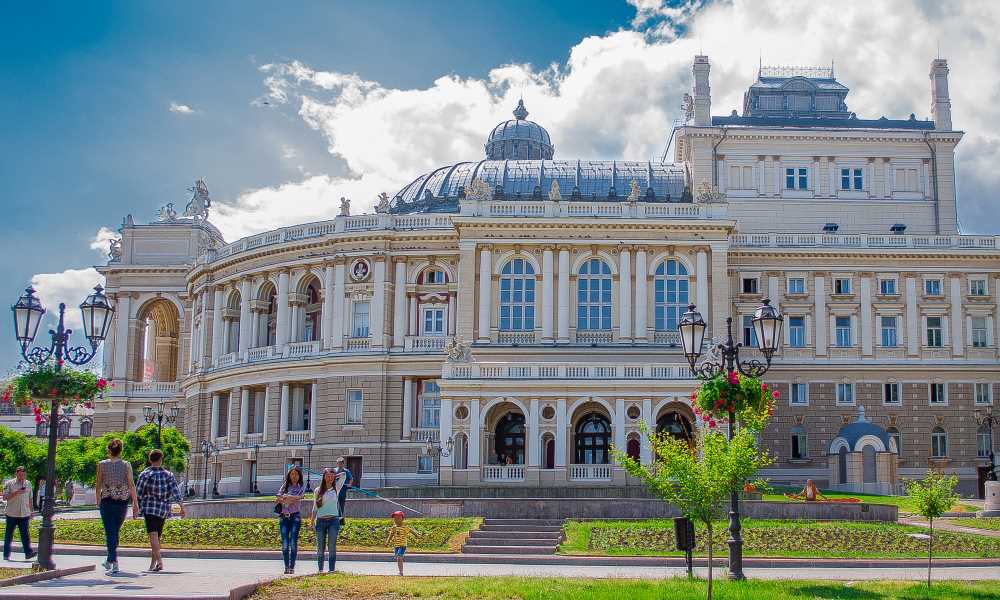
116 108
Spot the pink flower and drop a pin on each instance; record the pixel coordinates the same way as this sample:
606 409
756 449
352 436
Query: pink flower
88 404
734 379
763 387
38 418
711 423
776 395
102 383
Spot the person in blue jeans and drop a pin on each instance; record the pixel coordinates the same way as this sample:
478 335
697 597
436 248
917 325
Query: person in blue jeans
348 482
326 516
290 518
115 488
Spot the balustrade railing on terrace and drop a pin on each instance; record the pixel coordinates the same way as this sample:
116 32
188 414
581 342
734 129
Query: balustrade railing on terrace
578 209
153 388
516 337
422 434
590 472
357 344
251 439
296 438
594 337
565 371
263 353
302 349
227 360
864 240
503 473
426 343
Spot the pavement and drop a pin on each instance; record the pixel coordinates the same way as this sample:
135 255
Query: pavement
213 578
946 525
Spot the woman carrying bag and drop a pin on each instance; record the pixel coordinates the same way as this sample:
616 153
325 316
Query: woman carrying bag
326 515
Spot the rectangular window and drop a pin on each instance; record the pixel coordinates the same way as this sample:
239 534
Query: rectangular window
843 325
797 178
433 321
741 178
977 287
979 332
749 285
907 180
433 277
984 393
852 179
842 285
749 335
797 332
799 446
935 332
887 287
932 287
890 393
845 393
939 444
425 464
803 179
889 338
938 395
984 443
355 406
359 324
799 394
796 285
789 179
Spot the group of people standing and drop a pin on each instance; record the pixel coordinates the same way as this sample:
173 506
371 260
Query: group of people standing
327 513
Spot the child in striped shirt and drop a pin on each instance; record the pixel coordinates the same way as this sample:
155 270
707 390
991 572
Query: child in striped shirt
397 538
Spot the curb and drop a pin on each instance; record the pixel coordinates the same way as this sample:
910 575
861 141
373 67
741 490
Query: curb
44 576
554 559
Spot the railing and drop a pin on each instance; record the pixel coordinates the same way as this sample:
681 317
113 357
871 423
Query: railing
221 442
516 337
153 388
590 472
426 343
582 209
296 438
358 344
302 349
252 439
593 337
503 473
226 360
864 240
263 353
423 434
566 371
666 338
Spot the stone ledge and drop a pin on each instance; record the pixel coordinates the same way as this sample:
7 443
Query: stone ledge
44 576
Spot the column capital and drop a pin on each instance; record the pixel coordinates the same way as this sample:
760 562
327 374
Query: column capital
486 247
564 247
402 260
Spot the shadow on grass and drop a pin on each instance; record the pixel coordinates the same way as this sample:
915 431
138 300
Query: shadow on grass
837 591
916 591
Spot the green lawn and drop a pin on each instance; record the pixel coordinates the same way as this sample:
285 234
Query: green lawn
343 587
983 523
7 573
903 502
429 535
825 539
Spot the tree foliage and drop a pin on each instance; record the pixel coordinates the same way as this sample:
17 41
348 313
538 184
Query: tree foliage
932 496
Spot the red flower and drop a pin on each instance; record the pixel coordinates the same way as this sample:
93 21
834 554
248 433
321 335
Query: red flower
711 423
88 404
734 379
763 387
60 362
102 383
38 419
776 395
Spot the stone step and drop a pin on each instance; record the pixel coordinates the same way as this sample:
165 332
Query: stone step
522 522
467 549
516 535
512 541
521 528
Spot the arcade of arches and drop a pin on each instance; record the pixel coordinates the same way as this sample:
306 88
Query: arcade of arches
157 342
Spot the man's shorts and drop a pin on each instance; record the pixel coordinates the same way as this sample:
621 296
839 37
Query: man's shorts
399 551
154 524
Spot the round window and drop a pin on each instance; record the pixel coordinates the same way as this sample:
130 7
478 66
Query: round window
462 412
548 413
633 412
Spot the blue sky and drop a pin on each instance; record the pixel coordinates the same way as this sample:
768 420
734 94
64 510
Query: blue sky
283 107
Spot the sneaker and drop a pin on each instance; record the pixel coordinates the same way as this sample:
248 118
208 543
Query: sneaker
113 570
30 555
106 565
6 557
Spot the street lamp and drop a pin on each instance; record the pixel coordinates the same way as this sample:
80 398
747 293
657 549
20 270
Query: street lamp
726 359
309 462
256 468
96 311
215 478
988 419
158 415
445 451
207 448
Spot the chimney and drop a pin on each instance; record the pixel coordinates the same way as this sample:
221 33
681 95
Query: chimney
940 101
702 91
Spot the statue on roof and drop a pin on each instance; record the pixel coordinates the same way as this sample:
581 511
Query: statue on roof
458 351
115 249
634 193
197 208
554 194
688 107
345 207
520 113
167 214
479 191
382 206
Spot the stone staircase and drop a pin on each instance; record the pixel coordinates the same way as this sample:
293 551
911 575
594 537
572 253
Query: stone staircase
515 536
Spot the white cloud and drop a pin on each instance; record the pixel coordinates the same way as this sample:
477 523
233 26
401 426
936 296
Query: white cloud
71 286
618 95
181 109
101 241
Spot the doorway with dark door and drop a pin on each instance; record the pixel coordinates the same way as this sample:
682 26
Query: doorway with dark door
355 466
984 476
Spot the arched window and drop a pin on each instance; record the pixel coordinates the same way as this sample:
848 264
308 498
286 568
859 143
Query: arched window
509 439
549 445
869 468
842 465
311 313
517 296
670 294
675 424
800 443
897 438
593 296
984 442
233 323
939 443
593 436
461 450
86 428
633 449
63 432
267 329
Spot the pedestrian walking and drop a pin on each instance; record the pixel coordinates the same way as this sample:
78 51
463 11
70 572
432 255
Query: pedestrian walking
157 489
326 516
398 537
289 511
348 481
115 488
17 494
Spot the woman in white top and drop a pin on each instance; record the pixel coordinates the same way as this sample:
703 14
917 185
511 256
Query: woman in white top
326 515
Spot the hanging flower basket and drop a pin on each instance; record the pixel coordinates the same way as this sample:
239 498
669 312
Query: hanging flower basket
37 385
747 397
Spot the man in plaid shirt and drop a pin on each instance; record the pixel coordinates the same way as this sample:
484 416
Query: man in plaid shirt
156 489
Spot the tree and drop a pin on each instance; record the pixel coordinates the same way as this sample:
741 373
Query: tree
698 480
932 496
17 449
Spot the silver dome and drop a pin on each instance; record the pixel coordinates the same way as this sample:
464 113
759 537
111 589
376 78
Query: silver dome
519 139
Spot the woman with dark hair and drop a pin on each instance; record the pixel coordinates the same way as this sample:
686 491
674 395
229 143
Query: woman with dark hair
326 515
114 490
290 519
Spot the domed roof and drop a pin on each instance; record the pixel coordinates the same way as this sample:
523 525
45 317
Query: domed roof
519 139
852 432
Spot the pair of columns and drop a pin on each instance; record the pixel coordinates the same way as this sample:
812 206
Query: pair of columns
244 424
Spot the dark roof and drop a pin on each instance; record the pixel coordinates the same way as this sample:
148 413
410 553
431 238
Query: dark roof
813 123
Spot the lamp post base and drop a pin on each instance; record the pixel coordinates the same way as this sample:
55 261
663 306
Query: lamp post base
736 560
46 538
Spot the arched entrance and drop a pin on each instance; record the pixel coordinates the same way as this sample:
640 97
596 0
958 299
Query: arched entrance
677 425
592 439
508 439
157 342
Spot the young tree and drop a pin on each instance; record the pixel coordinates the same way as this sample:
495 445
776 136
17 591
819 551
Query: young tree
699 479
933 496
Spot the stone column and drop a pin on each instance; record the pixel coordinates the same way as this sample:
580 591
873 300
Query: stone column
534 440
957 340
641 311
867 339
123 316
475 433
244 343
561 432
282 319
563 306
701 284
378 304
912 320
625 295
452 309
192 334
618 423
313 401
820 320
244 412
399 308
646 450
337 327
407 407
267 412
283 414
720 299
547 291
217 326
202 331
485 294
414 321
327 315
446 429
466 317
213 431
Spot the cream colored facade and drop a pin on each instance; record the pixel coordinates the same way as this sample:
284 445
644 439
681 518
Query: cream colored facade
327 339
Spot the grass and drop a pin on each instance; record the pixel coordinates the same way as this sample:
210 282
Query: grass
818 539
904 503
7 573
992 523
354 587
429 535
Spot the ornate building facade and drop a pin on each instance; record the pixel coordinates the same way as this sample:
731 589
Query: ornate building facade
520 311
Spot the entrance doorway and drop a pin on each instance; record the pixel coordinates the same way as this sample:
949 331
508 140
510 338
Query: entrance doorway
509 439
677 425
984 474
356 466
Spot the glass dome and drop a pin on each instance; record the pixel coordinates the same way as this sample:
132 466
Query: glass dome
519 139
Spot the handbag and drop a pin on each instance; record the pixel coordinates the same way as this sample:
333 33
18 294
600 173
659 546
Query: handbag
278 508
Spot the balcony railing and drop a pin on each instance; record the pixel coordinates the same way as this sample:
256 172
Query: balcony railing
423 434
358 344
226 360
263 353
297 349
590 472
582 209
864 240
666 338
594 337
516 337
152 389
565 371
251 439
296 438
503 473
426 343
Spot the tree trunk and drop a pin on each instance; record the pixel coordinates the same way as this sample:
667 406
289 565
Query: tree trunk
708 527
930 551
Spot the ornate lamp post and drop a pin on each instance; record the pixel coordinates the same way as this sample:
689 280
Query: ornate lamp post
439 450
726 359
988 419
158 414
97 312
207 448
309 462
256 468
215 479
